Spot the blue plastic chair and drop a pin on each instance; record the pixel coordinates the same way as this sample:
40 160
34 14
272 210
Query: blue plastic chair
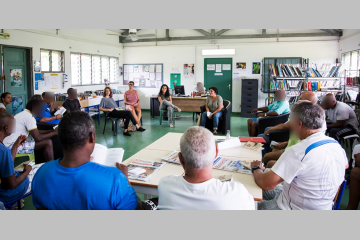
17 200
339 195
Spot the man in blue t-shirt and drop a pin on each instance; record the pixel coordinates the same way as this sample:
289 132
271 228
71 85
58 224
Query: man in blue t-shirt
47 113
75 183
280 106
13 184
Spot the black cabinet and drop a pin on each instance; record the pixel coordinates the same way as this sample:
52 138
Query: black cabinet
249 97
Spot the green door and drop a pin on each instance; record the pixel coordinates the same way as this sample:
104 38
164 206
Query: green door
218 73
16 83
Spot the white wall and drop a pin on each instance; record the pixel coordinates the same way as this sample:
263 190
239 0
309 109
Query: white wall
350 40
174 56
92 41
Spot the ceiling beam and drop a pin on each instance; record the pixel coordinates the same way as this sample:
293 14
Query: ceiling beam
218 33
281 35
212 32
206 33
167 34
334 32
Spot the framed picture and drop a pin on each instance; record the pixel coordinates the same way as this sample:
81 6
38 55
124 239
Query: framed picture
256 68
241 65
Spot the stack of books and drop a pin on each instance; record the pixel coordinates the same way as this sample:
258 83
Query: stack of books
286 70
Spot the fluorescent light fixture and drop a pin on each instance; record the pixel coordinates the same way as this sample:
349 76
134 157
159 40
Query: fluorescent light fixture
218 52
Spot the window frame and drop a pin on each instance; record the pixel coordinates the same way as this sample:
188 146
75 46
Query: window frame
91 55
50 60
350 61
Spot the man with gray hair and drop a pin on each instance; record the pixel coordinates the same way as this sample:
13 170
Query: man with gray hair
197 189
311 171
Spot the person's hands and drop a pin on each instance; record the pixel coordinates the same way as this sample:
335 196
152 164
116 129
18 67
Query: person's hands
261 114
51 104
27 168
210 116
58 108
267 132
58 116
110 110
254 111
123 168
20 140
257 163
282 145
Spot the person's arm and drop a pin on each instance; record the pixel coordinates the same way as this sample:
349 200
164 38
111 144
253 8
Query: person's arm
217 110
2 110
138 101
282 145
263 109
13 182
48 119
338 124
266 181
19 141
170 99
160 100
125 100
102 105
207 108
282 126
270 114
39 137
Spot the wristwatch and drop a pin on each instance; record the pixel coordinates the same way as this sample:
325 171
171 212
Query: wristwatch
254 168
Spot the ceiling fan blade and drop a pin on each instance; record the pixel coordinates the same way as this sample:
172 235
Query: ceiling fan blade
146 35
117 35
134 39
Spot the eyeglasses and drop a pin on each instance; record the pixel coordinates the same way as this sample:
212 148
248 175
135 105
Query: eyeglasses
131 84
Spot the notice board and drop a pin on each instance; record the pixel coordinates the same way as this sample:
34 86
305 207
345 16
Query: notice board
148 75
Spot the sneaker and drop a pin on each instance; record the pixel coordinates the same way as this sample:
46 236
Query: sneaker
127 134
140 129
179 110
215 133
171 125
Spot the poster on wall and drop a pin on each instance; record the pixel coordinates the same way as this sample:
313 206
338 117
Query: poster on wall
256 68
226 66
37 66
210 67
189 70
218 68
16 78
241 65
17 104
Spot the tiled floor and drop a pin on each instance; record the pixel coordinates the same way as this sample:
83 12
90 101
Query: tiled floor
153 132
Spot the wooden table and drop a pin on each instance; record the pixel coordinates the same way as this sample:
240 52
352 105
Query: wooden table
186 104
171 142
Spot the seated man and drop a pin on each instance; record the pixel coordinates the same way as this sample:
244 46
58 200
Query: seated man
343 118
72 103
13 184
47 113
311 171
197 189
280 106
200 89
25 125
75 183
354 193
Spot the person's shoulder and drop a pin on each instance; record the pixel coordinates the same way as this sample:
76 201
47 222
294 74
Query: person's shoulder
169 179
220 98
106 171
4 149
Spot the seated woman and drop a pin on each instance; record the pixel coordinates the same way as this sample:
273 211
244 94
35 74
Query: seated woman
108 104
166 102
132 100
214 104
6 98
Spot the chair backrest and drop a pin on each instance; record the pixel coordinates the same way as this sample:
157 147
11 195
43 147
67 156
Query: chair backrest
226 104
271 121
339 194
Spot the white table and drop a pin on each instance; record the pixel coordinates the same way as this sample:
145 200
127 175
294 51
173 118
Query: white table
171 142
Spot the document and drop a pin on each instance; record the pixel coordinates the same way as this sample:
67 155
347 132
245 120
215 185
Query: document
174 70
158 76
218 68
146 75
136 74
136 68
158 68
211 67
137 82
232 143
126 69
126 76
146 68
130 68
147 83
152 68
131 76
54 81
152 76
226 66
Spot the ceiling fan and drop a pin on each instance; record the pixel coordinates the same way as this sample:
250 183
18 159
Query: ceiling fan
132 34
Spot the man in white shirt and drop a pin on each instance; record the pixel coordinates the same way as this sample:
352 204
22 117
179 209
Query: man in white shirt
311 171
200 89
26 125
343 119
197 189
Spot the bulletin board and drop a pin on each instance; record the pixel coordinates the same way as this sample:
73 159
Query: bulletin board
148 75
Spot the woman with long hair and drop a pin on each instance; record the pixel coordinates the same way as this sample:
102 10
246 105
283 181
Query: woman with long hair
166 102
6 98
108 104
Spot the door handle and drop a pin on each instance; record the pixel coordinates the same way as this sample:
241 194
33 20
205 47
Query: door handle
229 86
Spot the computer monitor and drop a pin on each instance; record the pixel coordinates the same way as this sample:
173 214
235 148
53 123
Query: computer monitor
179 89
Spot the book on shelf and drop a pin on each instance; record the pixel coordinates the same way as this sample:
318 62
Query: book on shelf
172 158
233 165
286 70
144 170
107 156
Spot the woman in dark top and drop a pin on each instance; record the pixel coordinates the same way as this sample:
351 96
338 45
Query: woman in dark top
166 102
108 104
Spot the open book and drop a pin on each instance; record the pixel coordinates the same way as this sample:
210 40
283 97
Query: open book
144 170
107 156
233 165
172 158
61 111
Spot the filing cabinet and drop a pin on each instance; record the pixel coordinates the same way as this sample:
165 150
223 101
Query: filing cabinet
249 97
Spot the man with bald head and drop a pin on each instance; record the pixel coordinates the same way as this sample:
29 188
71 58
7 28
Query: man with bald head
280 106
306 96
343 118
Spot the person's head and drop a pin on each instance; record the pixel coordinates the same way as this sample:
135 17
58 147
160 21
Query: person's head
107 92
131 84
329 101
36 97
198 149
306 118
7 124
280 95
309 96
43 95
77 132
35 107
164 90
213 91
200 86
72 93
49 97
6 98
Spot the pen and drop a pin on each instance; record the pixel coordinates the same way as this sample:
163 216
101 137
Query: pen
21 137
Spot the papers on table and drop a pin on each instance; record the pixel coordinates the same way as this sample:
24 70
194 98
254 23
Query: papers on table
233 165
232 143
150 168
253 146
172 158
137 171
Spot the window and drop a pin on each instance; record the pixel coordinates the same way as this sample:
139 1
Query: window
52 61
89 69
351 61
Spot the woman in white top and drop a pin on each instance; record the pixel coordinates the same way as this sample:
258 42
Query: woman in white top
5 100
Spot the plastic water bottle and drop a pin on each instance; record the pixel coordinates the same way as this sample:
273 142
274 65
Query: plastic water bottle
227 135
